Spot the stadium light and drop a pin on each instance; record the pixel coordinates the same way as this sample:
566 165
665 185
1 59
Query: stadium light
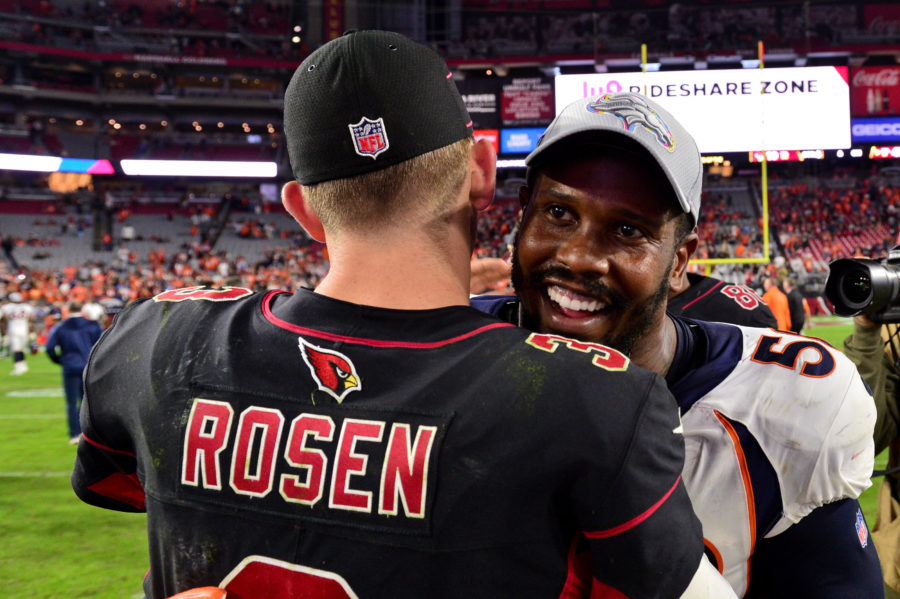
54 164
511 163
199 168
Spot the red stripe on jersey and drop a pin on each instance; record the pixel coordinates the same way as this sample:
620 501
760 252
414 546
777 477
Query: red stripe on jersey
106 448
267 312
579 575
125 488
600 590
700 297
615 530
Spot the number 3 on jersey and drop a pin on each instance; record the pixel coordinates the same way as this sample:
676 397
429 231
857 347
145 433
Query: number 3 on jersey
260 577
219 294
766 352
606 357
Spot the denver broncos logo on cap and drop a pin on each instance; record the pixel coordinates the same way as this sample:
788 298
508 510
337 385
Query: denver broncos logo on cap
369 137
333 371
633 111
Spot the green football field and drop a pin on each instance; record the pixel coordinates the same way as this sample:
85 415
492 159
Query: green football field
51 544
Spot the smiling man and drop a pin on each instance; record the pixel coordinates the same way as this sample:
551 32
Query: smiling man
777 427
604 278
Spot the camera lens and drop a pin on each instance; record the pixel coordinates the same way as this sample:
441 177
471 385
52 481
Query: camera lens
856 286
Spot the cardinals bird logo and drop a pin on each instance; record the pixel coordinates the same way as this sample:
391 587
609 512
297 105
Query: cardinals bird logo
333 371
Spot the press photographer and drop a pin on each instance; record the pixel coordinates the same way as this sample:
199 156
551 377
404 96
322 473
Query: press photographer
869 291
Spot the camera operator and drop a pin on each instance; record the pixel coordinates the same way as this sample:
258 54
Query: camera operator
875 349
869 291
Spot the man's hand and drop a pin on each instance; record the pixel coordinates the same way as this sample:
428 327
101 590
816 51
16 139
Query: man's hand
201 593
863 321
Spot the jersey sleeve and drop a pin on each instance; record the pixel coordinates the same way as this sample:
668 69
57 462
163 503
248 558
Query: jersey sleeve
105 472
762 317
648 516
837 558
845 457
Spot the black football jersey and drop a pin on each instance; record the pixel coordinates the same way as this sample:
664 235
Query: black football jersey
715 300
284 443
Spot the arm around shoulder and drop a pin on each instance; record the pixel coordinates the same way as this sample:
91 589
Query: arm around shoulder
652 519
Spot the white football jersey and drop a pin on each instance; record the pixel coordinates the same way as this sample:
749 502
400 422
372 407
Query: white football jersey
775 425
18 315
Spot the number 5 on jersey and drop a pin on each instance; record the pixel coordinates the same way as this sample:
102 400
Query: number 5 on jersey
767 352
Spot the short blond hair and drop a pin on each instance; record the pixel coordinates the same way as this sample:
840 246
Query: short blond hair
428 183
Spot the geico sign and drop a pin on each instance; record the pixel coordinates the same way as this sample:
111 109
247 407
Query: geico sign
877 129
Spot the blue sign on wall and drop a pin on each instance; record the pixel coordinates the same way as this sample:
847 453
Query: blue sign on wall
519 141
879 129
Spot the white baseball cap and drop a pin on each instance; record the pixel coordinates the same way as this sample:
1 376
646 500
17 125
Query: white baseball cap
15 297
637 118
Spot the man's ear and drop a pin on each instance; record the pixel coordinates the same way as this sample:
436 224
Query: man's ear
483 166
297 206
524 196
683 253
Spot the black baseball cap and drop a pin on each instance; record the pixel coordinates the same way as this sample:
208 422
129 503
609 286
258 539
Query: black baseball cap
368 100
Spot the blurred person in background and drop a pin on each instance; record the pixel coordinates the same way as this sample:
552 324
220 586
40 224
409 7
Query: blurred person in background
93 310
703 297
795 304
17 314
778 303
69 345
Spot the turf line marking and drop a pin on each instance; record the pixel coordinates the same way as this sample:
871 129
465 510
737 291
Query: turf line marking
33 474
31 416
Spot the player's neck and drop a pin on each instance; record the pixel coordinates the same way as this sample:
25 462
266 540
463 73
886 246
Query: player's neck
408 274
656 350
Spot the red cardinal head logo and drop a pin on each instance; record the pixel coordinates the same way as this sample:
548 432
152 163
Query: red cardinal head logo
333 371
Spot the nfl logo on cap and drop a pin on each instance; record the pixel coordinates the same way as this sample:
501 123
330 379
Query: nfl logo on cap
369 137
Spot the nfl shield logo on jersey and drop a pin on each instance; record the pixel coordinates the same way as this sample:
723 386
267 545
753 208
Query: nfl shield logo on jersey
369 137
862 532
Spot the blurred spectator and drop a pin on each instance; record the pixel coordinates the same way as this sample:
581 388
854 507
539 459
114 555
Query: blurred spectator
795 304
778 303
69 345
18 314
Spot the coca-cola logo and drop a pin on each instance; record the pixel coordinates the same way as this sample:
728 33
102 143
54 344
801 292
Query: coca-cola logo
881 24
887 77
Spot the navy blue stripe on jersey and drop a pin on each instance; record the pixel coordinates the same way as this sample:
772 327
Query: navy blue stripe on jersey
766 490
267 313
723 346
820 550
492 304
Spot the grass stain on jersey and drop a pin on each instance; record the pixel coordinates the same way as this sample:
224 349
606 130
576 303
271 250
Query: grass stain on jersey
528 379
158 457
